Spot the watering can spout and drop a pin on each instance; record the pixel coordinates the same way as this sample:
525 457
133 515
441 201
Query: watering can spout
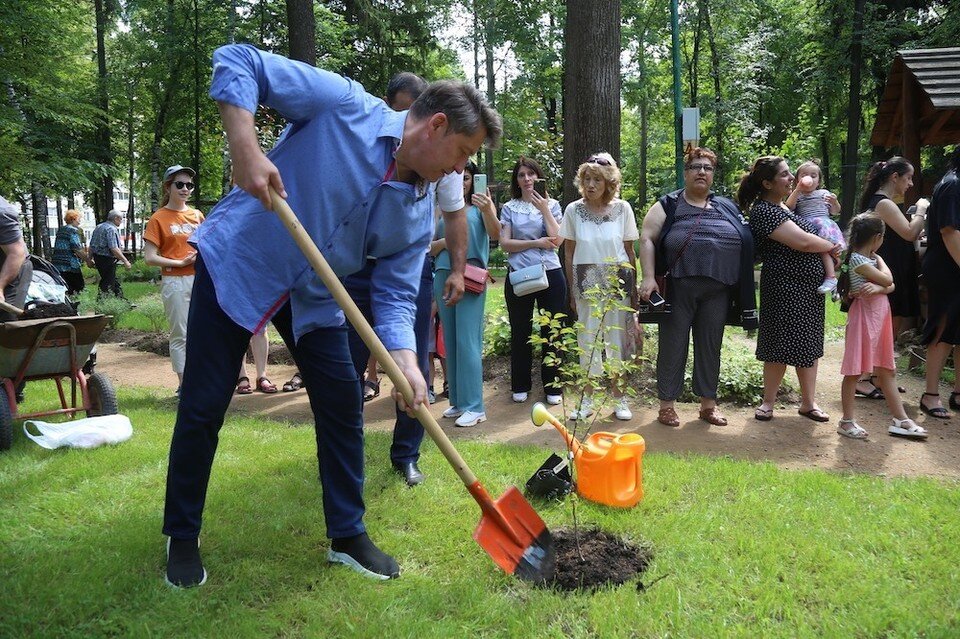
540 416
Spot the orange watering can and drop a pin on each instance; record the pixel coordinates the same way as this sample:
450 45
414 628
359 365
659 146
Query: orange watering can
609 466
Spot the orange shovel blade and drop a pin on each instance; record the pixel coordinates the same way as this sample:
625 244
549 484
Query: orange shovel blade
514 535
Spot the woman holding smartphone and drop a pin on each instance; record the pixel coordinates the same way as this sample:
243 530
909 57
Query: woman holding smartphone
705 244
530 226
463 323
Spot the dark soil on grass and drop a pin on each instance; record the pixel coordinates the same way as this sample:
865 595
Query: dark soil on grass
602 560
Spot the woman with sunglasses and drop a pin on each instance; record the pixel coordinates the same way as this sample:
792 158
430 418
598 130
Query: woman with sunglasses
529 227
165 245
704 245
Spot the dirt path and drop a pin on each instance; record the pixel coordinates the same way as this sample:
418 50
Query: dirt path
790 441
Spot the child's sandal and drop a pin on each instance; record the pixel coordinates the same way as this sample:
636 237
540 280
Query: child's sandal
853 430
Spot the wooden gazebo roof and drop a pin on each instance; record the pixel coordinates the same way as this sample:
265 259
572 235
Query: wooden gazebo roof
934 77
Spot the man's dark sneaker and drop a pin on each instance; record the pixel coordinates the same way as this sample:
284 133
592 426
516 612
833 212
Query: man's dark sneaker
362 555
184 566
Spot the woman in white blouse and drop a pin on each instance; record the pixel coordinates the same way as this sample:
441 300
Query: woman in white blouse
599 230
529 224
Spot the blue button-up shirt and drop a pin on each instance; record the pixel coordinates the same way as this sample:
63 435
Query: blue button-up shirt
334 159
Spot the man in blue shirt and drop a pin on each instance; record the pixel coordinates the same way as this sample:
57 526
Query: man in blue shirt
359 175
105 251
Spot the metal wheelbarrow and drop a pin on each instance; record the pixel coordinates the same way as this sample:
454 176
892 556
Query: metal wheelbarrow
52 348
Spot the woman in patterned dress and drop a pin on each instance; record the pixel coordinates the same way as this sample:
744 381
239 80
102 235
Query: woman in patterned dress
791 309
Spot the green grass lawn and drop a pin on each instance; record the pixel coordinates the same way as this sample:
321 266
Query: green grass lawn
743 549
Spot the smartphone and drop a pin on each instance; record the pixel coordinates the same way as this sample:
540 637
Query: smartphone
656 300
540 186
480 183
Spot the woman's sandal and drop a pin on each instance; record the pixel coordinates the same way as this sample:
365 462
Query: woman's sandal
264 385
907 428
295 384
815 414
876 393
243 386
853 430
371 389
937 411
763 414
668 417
713 416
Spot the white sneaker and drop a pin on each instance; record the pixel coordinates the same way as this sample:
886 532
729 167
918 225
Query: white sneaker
623 411
553 400
520 397
470 418
829 285
452 412
585 411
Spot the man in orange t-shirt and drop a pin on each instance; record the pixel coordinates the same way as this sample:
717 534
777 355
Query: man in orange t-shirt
165 245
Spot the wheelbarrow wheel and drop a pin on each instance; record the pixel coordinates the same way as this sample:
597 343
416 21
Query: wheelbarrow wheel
6 423
103 399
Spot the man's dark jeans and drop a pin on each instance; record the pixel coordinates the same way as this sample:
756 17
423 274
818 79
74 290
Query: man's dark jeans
107 267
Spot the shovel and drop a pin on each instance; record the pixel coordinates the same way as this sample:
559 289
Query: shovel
510 530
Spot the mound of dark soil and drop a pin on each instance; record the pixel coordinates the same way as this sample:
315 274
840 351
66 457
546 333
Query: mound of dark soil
602 559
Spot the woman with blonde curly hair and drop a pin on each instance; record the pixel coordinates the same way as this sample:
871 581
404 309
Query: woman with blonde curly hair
68 252
598 231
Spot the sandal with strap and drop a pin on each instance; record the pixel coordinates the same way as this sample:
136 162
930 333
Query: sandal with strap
763 414
876 393
295 384
815 414
371 389
853 429
907 428
713 416
937 411
243 386
264 385
668 417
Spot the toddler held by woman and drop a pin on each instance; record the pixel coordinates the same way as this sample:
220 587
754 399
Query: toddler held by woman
868 346
816 205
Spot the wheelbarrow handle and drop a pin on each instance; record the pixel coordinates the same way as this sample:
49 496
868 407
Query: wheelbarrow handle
10 308
369 337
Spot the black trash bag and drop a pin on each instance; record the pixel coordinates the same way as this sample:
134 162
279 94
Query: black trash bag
552 480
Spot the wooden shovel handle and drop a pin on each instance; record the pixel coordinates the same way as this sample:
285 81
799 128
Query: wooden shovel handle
369 337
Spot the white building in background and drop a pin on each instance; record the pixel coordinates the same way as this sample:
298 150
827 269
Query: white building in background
121 201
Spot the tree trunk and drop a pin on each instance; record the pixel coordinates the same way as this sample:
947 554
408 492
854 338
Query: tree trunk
491 80
103 202
227 167
644 142
59 212
301 30
851 155
197 93
591 85
41 237
719 124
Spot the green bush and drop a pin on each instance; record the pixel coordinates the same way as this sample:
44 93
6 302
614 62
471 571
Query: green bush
498 258
151 307
114 307
140 271
496 333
